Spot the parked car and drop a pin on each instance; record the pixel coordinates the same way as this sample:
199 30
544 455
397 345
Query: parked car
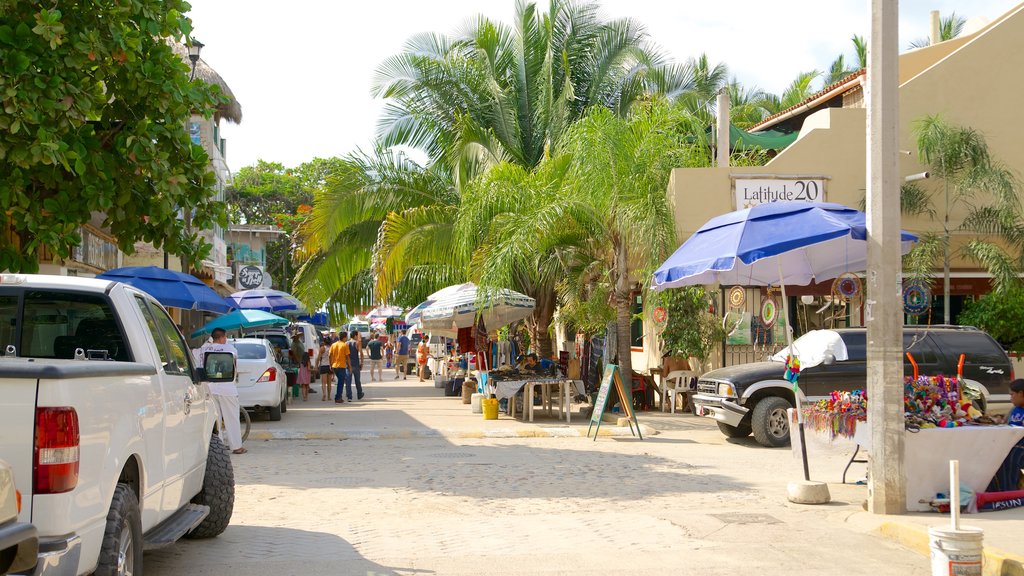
19 543
753 398
107 423
262 384
278 339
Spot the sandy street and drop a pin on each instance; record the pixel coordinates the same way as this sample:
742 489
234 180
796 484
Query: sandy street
685 501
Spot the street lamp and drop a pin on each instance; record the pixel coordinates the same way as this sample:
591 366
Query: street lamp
194 47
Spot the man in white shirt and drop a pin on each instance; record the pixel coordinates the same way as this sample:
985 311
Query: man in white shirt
225 393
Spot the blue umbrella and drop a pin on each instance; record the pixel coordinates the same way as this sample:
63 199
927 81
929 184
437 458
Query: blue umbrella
241 319
266 300
808 242
812 242
170 287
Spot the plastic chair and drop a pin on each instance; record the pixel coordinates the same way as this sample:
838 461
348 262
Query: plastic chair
678 382
639 385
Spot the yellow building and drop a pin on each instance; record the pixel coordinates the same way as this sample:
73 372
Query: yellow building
972 81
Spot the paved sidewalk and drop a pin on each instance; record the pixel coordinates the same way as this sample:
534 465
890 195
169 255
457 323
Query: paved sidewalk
412 410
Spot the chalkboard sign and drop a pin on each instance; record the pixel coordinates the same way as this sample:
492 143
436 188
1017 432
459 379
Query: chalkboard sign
610 378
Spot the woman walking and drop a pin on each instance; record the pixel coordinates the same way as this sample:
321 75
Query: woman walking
422 355
323 360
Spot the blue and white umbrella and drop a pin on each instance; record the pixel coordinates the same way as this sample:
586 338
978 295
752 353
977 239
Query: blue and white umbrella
459 306
777 243
385 312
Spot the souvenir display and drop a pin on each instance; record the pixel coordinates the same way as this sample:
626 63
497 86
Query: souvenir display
936 402
846 287
839 414
737 297
917 299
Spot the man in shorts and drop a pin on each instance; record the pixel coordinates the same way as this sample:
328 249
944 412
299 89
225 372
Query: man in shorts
403 354
376 352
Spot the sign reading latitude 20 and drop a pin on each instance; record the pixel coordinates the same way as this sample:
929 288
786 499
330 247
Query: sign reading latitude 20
250 277
750 191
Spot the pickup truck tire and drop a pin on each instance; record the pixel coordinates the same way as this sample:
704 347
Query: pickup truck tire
121 551
770 422
741 431
275 413
218 492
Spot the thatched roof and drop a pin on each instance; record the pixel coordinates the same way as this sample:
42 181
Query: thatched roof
232 110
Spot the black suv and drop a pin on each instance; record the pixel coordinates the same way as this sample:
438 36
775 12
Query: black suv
753 398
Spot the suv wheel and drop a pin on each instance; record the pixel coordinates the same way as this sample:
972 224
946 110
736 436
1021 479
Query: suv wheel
121 550
741 431
770 422
218 491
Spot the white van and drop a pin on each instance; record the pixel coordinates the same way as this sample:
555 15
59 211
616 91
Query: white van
310 338
362 327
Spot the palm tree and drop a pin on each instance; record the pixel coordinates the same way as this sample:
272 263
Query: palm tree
748 106
949 27
613 219
960 158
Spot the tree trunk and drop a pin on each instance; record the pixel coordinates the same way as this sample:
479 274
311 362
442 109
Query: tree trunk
539 325
623 314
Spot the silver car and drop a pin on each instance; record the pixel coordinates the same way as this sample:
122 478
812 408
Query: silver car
262 383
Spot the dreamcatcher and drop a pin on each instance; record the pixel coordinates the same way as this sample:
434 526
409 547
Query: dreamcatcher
847 290
917 299
660 317
767 317
737 297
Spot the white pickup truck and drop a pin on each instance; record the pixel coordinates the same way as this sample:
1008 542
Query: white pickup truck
106 423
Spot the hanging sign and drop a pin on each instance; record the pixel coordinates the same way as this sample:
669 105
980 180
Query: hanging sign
249 277
750 192
610 378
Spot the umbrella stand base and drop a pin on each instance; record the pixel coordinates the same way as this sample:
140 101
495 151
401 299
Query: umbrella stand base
808 492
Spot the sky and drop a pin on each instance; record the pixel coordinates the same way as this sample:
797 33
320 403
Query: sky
302 69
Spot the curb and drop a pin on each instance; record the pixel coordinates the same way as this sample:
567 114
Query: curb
534 432
915 537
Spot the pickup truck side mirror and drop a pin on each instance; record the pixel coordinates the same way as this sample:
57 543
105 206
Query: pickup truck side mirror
829 360
218 367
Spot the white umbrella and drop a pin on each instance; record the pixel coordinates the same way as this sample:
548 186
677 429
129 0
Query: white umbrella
384 312
458 307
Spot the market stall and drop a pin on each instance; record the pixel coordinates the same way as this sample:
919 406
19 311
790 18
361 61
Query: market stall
941 424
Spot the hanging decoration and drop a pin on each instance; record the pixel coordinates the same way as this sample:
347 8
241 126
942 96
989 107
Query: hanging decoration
729 325
769 311
838 414
792 370
660 317
737 297
846 287
917 298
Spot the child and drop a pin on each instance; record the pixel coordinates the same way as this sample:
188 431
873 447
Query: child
1016 417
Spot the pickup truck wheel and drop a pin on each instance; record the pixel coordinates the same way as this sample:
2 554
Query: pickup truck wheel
770 422
275 413
121 551
218 492
741 431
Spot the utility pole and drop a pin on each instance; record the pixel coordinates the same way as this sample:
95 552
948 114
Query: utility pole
722 129
883 313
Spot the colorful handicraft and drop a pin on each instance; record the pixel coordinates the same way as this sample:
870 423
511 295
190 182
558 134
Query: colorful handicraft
838 415
792 369
936 402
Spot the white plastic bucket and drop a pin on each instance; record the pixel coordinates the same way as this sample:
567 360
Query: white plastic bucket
956 552
475 403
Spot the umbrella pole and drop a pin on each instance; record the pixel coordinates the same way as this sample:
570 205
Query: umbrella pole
796 388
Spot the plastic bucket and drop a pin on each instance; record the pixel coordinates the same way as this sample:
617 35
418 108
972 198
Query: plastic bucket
476 403
490 406
956 552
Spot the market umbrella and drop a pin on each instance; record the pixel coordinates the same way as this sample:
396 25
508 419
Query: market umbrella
384 312
808 241
413 317
241 319
460 307
267 300
170 287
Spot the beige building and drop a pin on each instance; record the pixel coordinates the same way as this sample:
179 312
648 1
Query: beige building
972 81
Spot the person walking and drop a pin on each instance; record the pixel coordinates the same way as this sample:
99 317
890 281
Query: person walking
375 350
402 358
422 355
323 360
225 394
355 360
303 376
339 357
389 353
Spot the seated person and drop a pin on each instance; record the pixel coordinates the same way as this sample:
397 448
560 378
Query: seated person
527 362
1008 477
